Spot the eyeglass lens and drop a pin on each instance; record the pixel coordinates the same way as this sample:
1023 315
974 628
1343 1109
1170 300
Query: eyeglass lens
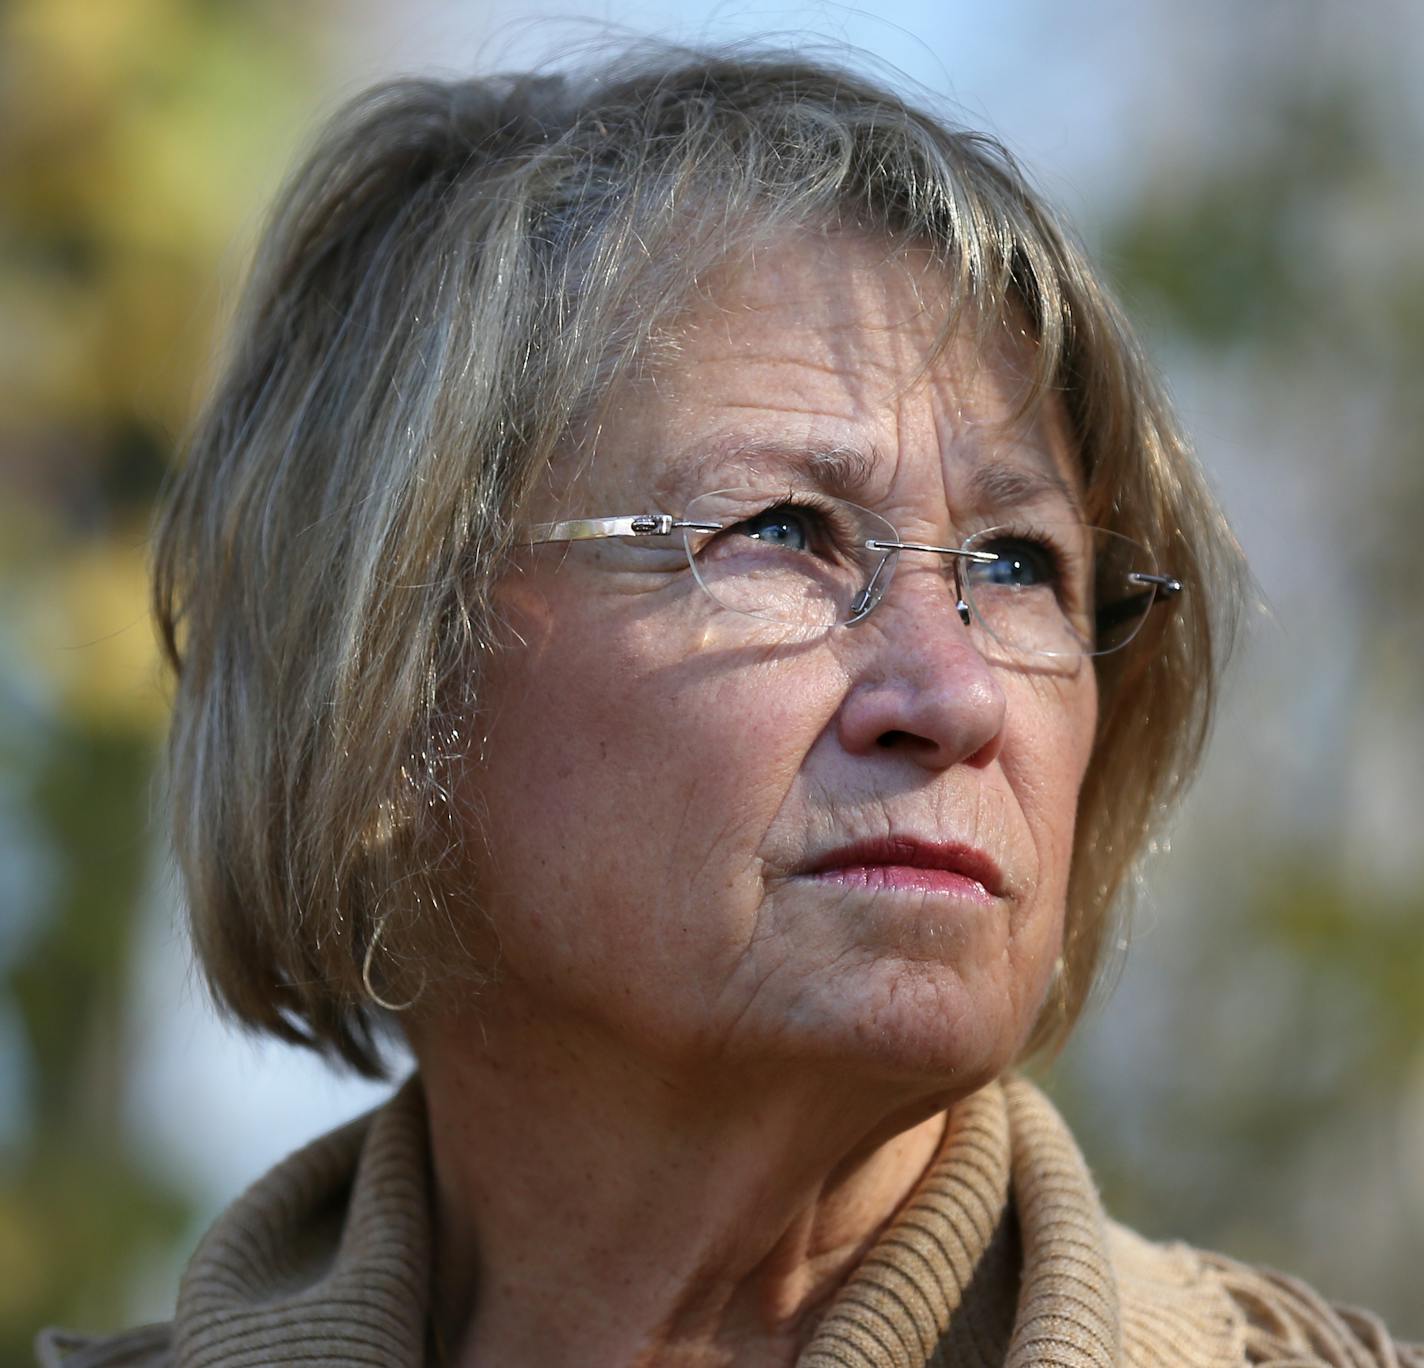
802 559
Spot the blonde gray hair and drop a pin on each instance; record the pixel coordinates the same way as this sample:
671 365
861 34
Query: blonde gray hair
447 288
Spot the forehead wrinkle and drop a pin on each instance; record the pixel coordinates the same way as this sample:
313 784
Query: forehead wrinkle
814 411
836 364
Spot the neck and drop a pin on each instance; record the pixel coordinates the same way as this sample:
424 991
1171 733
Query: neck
651 1214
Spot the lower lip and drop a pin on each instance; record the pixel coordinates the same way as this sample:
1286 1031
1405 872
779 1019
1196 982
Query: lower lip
907 878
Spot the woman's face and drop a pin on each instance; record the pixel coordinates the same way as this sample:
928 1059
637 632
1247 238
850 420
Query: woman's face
664 783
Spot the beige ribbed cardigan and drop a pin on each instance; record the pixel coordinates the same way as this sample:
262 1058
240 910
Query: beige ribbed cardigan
1003 1255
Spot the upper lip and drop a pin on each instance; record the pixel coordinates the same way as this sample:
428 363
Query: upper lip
952 856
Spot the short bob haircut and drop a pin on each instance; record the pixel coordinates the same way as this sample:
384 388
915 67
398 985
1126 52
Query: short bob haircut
456 279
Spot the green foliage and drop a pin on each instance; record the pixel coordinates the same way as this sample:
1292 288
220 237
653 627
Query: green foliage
1247 250
1364 943
91 802
137 141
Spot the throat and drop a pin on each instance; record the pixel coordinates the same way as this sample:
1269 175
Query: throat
679 1270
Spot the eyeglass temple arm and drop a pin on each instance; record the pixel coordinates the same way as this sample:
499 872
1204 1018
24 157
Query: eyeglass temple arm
1163 586
593 529
1157 588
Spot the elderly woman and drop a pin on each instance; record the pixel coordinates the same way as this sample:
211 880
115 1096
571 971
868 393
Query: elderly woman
687 602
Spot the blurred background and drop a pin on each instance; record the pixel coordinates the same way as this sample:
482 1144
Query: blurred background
1249 173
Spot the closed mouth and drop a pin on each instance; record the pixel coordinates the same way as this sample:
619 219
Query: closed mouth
908 863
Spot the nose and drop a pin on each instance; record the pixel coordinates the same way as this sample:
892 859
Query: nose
921 686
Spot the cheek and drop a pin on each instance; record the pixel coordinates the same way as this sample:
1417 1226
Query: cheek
1045 761
626 772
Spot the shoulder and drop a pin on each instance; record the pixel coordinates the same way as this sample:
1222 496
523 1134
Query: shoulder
149 1346
1172 1294
322 1258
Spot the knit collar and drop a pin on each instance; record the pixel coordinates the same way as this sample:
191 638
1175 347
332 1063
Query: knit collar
1000 1256
325 1260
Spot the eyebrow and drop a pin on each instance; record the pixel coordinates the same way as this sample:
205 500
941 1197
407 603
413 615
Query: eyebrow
1000 484
850 471
839 469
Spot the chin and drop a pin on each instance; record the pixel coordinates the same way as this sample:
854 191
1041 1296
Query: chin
927 1027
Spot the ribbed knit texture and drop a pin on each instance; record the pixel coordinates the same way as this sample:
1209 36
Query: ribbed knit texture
898 1307
325 1260
1002 1255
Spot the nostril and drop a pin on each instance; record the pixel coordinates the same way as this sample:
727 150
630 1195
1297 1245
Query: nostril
891 738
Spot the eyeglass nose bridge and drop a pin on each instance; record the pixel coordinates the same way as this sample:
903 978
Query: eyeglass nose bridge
865 602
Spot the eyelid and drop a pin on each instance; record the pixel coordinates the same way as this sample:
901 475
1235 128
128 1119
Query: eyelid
1050 531
761 503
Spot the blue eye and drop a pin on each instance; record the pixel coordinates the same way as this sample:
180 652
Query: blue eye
1021 564
792 528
